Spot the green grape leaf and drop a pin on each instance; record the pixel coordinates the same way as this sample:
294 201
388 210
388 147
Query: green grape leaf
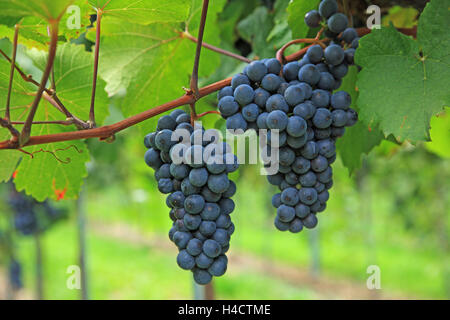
56 170
440 135
153 63
46 9
296 16
255 29
359 139
73 70
146 11
404 82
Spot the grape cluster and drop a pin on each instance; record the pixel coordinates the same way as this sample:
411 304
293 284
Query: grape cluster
15 274
297 99
194 174
336 24
31 216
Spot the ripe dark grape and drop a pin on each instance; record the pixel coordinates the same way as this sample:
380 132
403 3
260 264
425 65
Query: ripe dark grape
327 8
198 188
312 19
338 22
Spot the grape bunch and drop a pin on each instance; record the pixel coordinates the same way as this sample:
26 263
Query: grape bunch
193 171
15 274
31 216
300 101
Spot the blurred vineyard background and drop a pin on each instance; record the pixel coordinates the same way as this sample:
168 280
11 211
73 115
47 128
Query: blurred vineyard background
393 213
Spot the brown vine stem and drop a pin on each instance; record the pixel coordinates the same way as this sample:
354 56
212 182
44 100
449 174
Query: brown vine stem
208 112
49 95
26 130
94 80
187 35
280 52
194 77
61 122
11 73
108 131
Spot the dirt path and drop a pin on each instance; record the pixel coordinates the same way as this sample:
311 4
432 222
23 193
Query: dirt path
324 286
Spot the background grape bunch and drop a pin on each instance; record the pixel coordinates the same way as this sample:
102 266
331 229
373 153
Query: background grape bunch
199 192
298 100
31 216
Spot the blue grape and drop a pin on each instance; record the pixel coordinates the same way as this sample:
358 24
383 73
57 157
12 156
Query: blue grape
273 66
221 236
323 196
302 210
224 92
212 248
339 118
338 22
322 118
149 140
218 183
261 97
185 260
296 126
250 112
203 261
181 239
280 225
325 176
166 122
294 95
309 74
315 54
275 179
326 148
152 158
312 19
211 211
320 98
163 140
352 117
256 70
290 197
177 199
310 221
296 226
277 120
228 106
291 177
207 228
223 221
236 122
277 102
355 43
244 94
165 186
290 71
218 267
285 213
327 8
202 276
198 177
226 206
308 179
296 143
339 71
319 164
341 100
349 34
301 165
271 82
194 247
276 200
305 110
334 55
230 191
306 88
286 156
307 195
322 133
239 79
326 81
194 204
350 56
